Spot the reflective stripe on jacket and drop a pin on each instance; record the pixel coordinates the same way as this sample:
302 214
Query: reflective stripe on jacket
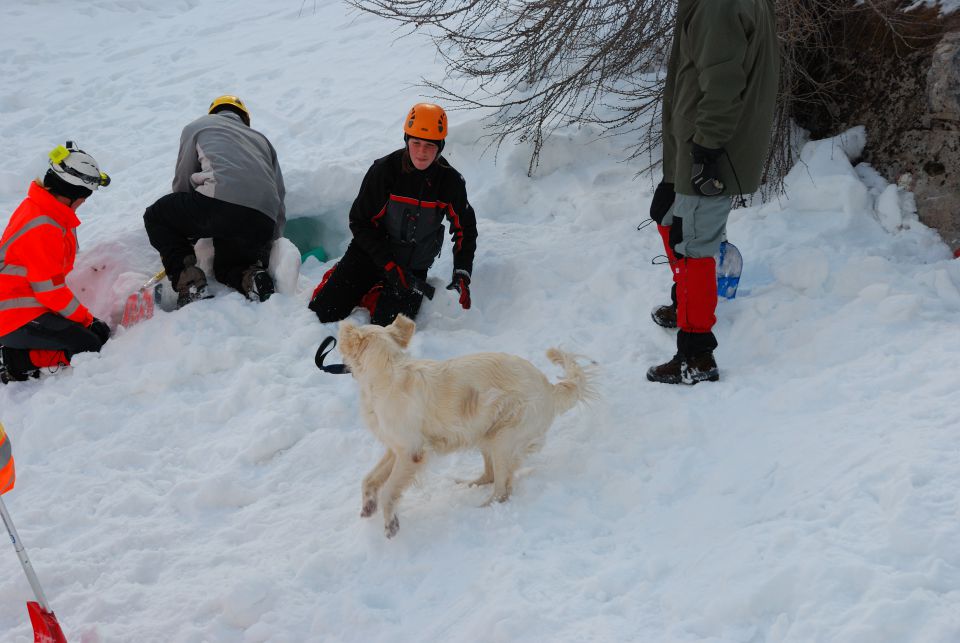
37 252
399 215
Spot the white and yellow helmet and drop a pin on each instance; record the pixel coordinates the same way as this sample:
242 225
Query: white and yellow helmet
74 166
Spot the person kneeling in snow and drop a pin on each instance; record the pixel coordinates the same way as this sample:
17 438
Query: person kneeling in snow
41 321
397 225
228 187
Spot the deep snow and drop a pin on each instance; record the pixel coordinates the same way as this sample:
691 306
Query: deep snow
199 480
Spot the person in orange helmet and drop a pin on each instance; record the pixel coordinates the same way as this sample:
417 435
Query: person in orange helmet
397 221
41 321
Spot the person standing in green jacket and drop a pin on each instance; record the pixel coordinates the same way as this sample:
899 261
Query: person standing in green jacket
718 107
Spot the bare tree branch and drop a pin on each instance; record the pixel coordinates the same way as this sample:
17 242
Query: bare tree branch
541 65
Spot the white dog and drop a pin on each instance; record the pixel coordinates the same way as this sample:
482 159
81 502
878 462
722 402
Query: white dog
498 403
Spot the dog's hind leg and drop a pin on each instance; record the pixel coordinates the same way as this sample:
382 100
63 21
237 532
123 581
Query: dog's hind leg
486 477
372 483
405 468
504 464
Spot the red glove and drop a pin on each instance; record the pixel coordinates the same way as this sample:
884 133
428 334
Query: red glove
461 283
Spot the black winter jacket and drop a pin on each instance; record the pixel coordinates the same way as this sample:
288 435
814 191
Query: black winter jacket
398 216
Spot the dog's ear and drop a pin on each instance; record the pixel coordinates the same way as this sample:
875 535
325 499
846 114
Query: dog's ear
402 330
349 339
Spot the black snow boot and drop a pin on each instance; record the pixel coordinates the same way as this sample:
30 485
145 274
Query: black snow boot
686 370
257 284
666 316
15 365
191 283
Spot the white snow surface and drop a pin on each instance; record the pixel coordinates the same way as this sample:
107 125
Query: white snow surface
199 479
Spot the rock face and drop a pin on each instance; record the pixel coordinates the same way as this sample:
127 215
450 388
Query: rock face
932 153
905 89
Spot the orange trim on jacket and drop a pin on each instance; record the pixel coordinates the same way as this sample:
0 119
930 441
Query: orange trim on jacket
37 252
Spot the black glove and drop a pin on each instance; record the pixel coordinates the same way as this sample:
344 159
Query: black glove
393 275
461 283
99 328
705 175
663 198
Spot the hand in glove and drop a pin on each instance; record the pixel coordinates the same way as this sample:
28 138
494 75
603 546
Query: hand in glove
99 328
461 283
705 175
663 198
393 275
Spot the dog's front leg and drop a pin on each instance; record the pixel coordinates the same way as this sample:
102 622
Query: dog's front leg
404 470
372 483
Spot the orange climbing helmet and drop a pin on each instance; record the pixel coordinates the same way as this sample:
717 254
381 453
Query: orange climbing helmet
426 121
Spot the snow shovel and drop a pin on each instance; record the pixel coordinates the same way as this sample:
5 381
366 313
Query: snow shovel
46 629
139 305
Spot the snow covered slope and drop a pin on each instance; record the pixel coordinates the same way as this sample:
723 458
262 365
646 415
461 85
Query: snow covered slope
199 480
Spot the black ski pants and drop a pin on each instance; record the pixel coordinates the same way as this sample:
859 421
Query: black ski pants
352 278
242 237
49 331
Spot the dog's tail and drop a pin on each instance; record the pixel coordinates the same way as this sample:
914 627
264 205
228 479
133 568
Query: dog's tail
576 385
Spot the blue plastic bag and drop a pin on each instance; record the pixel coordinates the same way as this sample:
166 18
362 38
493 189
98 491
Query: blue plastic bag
729 266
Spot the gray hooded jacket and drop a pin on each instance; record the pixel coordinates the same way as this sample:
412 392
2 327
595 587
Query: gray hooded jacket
222 158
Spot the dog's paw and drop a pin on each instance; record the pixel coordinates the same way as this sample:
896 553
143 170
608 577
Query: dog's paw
479 482
496 497
369 506
392 527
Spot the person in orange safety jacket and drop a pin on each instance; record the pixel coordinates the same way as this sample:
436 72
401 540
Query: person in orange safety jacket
41 321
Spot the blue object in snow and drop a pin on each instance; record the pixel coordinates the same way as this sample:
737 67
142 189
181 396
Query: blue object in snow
729 266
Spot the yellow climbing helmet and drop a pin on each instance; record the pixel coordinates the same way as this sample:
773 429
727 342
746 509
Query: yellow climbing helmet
228 101
426 121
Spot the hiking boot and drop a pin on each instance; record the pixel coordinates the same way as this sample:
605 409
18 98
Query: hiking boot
10 371
191 283
665 316
686 370
257 284
190 294
9 376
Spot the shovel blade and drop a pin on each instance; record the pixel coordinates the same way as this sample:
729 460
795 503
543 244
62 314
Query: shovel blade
146 304
139 306
130 311
46 629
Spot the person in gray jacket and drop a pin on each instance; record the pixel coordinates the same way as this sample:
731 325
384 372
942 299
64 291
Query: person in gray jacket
228 187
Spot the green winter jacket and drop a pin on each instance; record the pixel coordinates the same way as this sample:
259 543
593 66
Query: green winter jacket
721 90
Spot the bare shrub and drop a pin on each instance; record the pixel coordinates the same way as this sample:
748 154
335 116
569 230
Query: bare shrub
545 64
